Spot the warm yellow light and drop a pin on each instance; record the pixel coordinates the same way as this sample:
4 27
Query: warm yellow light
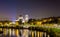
44 20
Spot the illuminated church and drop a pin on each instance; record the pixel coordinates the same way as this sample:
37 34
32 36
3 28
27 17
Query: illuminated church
22 19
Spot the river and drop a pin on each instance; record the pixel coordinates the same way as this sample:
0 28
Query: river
21 33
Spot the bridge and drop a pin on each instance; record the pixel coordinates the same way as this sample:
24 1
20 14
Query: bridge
28 26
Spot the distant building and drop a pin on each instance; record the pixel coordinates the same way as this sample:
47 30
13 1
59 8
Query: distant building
20 19
26 18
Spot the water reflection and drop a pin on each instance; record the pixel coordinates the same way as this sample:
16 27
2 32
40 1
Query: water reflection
21 33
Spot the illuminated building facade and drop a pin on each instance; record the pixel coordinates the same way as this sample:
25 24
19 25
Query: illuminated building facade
26 18
22 20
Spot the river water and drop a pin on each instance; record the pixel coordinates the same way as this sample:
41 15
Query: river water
21 33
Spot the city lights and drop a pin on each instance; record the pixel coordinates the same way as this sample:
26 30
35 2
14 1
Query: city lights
29 18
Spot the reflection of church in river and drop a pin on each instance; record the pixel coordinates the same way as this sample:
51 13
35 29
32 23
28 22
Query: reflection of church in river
25 33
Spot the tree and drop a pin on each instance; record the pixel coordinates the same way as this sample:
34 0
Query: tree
31 21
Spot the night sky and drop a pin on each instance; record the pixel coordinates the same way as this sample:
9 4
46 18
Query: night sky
8 9
34 8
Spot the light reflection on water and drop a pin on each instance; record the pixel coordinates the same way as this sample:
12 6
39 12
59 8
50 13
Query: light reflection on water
20 33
